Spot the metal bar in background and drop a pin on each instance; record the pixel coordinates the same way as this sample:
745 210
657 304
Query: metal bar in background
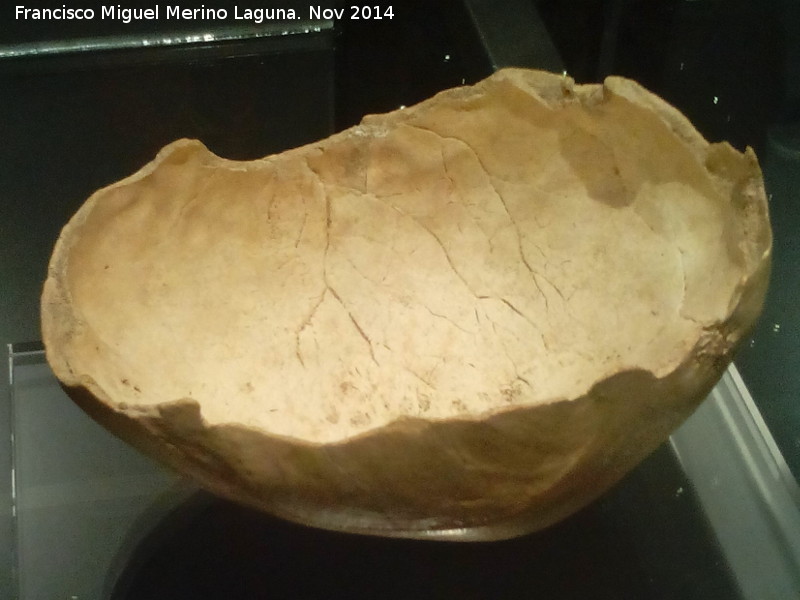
515 36
161 40
222 42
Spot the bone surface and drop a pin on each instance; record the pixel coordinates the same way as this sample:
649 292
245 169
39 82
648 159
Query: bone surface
463 319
